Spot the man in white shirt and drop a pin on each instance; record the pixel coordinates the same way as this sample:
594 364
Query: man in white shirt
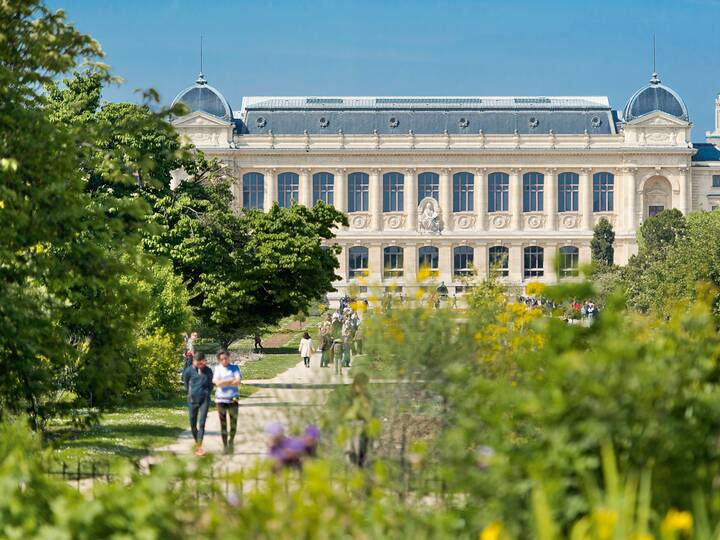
227 380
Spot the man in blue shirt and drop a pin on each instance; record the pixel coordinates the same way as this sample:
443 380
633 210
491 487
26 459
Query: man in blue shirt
198 383
227 393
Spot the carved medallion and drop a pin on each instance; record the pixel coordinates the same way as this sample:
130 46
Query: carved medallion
570 221
359 221
464 221
500 221
394 221
536 221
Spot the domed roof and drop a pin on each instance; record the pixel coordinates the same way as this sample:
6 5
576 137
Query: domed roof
203 97
655 97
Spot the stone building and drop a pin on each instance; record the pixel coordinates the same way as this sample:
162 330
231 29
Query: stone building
462 184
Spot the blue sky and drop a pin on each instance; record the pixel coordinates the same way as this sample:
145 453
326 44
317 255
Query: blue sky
422 47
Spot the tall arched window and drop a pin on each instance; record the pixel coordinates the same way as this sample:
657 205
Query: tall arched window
357 261
358 188
534 259
569 261
428 258
462 261
323 185
392 262
253 190
499 260
428 184
288 183
463 189
568 183
533 184
498 189
603 189
393 185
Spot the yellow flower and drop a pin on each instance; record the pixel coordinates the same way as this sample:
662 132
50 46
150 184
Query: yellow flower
2 204
424 274
492 531
677 520
605 521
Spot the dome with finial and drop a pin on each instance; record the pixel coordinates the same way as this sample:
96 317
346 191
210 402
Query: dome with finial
203 97
655 97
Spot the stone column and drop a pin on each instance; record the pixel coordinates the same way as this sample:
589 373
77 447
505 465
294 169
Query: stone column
446 198
411 202
305 188
375 261
270 195
682 197
630 186
340 190
550 202
237 191
550 253
375 195
586 194
445 263
515 196
343 261
410 263
480 261
480 196
515 263
584 254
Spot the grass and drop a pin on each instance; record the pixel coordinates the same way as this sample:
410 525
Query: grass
362 363
125 433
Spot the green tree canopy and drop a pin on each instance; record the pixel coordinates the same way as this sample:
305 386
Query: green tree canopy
601 245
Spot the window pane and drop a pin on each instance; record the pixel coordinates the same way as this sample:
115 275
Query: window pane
498 189
533 183
288 183
498 260
393 185
357 261
392 262
358 188
428 257
253 190
533 261
428 186
568 186
463 190
603 187
462 261
323 185
569 261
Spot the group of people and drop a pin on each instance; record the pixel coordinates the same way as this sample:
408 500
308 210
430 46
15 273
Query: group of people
199 381
341 335
587 309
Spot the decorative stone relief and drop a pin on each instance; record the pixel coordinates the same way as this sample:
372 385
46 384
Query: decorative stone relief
570 221
535 221
394 221
500 221
429 216
464 221
612 218
359 221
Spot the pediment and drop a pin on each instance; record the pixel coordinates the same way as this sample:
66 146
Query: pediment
658 119
200 119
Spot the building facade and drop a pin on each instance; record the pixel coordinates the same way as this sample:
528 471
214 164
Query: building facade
460 185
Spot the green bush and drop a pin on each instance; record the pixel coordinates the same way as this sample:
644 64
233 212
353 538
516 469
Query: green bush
156 365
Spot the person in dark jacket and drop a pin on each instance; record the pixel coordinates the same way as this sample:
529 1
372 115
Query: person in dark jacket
198 383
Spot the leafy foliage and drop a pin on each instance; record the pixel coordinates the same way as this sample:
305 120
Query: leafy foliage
601 245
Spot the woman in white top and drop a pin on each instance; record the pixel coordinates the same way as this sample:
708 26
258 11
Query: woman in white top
306 349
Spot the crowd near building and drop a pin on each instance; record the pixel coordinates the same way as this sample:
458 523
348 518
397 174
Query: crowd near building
461 185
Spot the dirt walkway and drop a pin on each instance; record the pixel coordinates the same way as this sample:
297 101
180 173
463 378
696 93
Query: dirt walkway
292 398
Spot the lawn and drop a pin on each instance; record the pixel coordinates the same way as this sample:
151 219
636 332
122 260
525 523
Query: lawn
125 433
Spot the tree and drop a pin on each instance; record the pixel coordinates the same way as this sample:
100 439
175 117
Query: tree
659 232
601 245
243 271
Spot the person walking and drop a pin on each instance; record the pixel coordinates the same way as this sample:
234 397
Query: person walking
306 349
198 378
227 380
258 343
326 343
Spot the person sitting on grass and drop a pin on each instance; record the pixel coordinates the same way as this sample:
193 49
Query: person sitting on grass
198 384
